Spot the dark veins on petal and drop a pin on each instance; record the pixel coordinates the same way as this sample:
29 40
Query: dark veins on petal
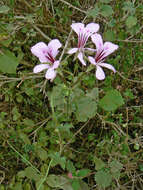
100 56
50 58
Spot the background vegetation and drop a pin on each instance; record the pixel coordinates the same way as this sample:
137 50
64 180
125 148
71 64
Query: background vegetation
76 133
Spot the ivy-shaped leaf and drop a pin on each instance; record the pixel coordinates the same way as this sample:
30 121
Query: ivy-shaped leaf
111 101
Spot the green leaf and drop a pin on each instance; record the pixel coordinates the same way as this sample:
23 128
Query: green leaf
86 108
93 12
103 179
57 96
128 93
83 185
59 182
4 9
115 166
27 186
109 35
70 167
111 101
76 184
21 174
99 164
25 138
17 186
115 169
131 21
42 153
83 172
129 6
8 62
106 10
57 159
38 182
93 94
31 174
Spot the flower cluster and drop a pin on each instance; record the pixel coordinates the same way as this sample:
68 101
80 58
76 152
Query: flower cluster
48 53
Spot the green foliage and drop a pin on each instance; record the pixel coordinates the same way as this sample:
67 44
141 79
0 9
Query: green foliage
59 182
30 173
99 164
8 62
83 125
106 10
111 101
57 159
129 6
83 172
85 108
93 12
109 35
4 9
131 21
103 178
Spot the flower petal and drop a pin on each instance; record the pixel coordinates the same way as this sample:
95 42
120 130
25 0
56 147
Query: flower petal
50 74
56 65
80 57
90 49
109 48
38 50
100 75
92 60
77 27
41 67
92 27
97 40
73 50
108 66
53 47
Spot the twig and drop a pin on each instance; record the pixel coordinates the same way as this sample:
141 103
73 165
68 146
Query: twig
3 177
131 41
51 1
70 5
66 44
27 4
136 33
115 126
43 123
130 80
42 33
23 158
75 135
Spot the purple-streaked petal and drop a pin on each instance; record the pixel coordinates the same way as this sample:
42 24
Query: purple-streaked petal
80 57
108 66
38 50
41 67
97 40
109 48
53 47
43 59
77 27
50 74
73 50
56 65
100 75
92 27
92 60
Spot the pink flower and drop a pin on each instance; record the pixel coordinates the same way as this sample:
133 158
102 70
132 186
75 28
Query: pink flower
47 54
70 175
103 50
83 34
